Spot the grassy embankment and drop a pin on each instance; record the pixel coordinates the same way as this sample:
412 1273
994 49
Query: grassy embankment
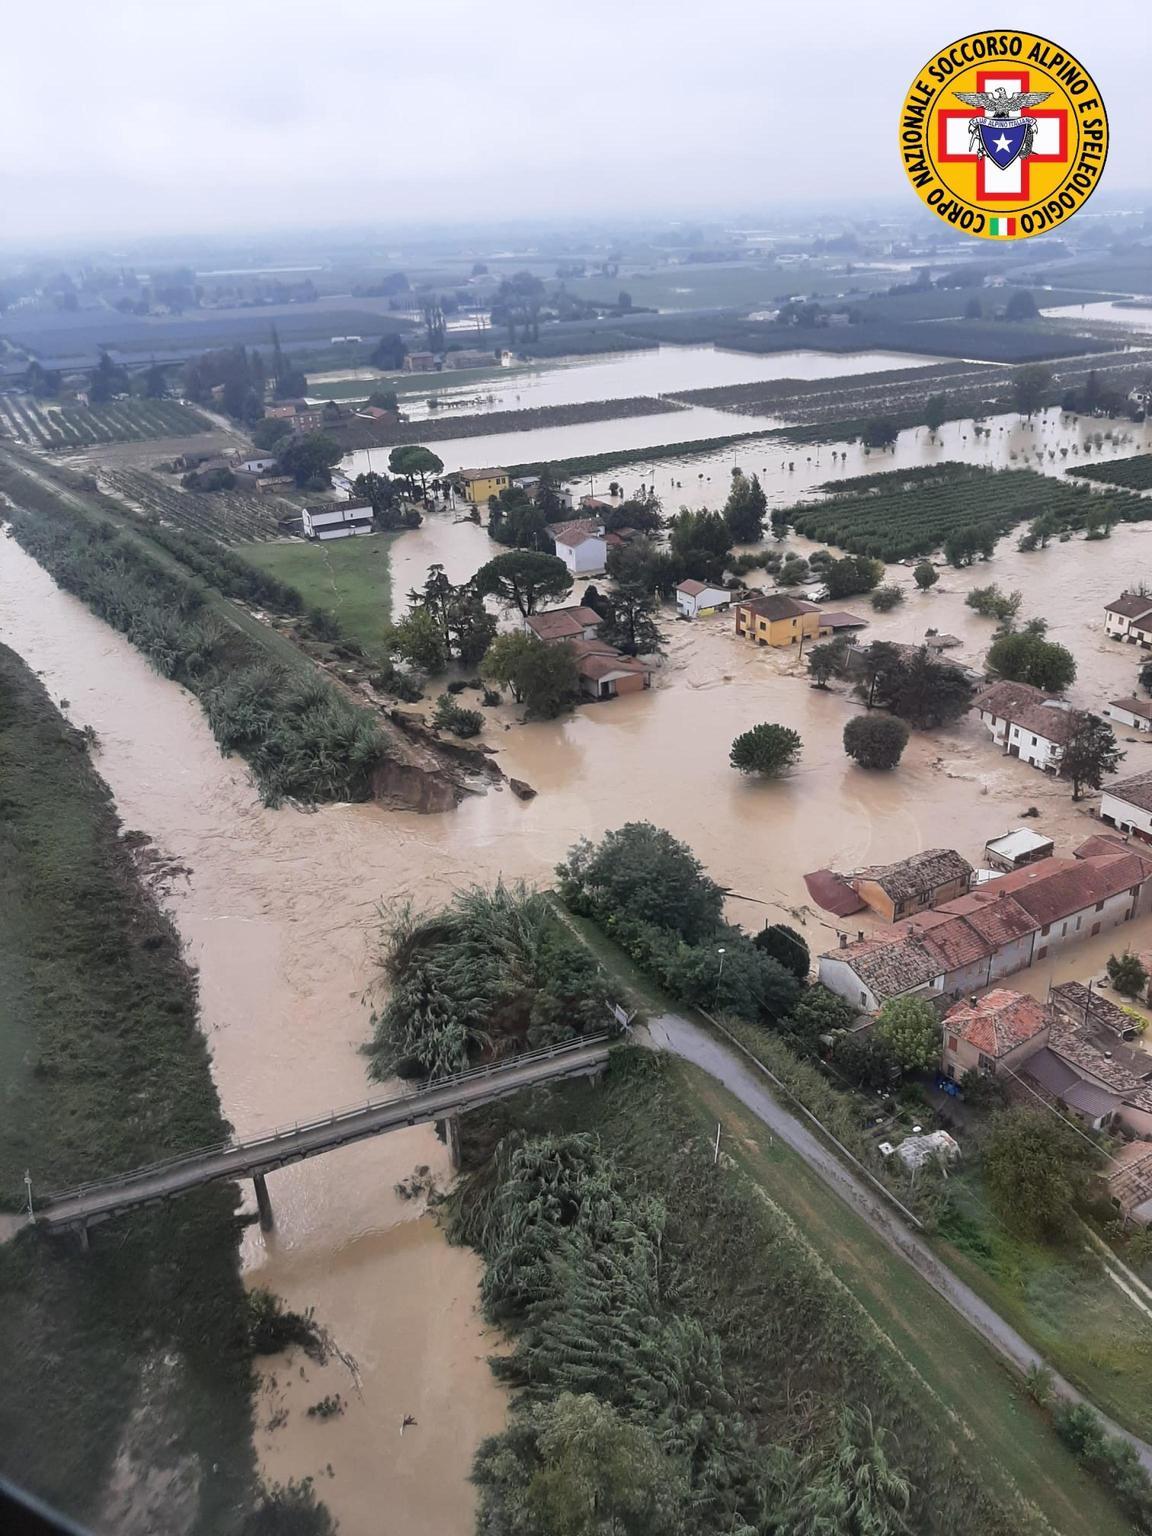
302 737
812 1310
351 579
1062 1302
136 1350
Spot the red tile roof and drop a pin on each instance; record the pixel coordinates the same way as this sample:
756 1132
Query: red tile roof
1129 605
573 534
561 623
776 606
832 892
1052 889
998 1022
1135 791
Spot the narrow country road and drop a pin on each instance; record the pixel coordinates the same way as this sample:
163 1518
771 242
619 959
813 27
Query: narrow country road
749 1083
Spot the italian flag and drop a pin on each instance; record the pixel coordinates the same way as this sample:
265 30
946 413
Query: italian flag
1005 227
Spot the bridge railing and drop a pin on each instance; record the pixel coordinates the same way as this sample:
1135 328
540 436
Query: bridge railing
349 1112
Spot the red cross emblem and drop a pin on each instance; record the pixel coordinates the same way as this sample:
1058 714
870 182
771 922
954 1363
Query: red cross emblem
954 145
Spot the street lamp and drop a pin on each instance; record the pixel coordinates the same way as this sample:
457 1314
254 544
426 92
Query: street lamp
719 974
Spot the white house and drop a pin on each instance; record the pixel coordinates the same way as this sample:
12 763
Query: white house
337 519
1128 806
1027 723
256 463
1134 713
695 598
582 546
1129 618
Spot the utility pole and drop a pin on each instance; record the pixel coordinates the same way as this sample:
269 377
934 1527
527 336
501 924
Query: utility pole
28 1189
716 1148
719 974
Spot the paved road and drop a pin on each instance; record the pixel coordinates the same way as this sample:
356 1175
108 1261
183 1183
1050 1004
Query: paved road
748 1082
290 1144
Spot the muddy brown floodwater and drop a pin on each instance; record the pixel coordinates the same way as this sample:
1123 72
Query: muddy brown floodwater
279 914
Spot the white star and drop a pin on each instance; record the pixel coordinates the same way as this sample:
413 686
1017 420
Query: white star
1002 144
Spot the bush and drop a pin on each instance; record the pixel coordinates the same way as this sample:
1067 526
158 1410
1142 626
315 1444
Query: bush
875 741
991 603
765 749
884 599
925 575
1127 974
909 1029
449 716
787 946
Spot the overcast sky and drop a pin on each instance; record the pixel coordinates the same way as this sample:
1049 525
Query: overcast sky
138 116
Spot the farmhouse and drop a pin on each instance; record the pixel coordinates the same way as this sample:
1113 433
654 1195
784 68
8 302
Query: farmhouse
337 519
1128 806
478 484
777 620
696 598
420 362
582 546
1134 713
1129 618
1028 724
563 624
254 463
993 1032
895 890
605 673
469 357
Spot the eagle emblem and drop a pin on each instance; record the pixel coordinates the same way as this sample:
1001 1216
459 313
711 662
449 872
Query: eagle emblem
997 135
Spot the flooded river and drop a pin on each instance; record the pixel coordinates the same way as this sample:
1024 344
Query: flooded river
279 911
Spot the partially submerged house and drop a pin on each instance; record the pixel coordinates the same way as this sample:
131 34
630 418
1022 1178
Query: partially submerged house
921 880
572 623
1015 849
1127 805
1134 713
582 546
969 942
1026 722
1129 618
777 620
605 672
694 599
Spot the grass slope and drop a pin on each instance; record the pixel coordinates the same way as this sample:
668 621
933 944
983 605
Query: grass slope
349 578
138 1346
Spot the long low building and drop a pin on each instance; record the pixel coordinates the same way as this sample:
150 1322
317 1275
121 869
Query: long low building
1127 806
1027 723
972 941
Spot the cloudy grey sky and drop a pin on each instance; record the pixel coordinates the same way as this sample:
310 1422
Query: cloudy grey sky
137 116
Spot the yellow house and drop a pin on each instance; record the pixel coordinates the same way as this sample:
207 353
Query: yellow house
777 620
479 484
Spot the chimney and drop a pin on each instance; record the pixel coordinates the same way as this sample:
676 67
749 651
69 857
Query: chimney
859 935
973 1000
843 941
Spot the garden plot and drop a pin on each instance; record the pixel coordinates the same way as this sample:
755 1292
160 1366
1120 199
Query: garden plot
1134 473
232 517
38 424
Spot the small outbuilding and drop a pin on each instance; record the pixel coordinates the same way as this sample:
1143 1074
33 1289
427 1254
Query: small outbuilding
694 599
1015 849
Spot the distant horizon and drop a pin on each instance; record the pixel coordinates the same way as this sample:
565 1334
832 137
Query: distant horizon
140 121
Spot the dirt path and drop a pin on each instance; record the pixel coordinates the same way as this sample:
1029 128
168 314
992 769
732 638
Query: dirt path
745 1080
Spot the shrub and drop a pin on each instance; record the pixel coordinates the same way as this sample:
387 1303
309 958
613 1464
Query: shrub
875 741
787 946
765 749
1127 974
925 575
884 599
991 603
449 716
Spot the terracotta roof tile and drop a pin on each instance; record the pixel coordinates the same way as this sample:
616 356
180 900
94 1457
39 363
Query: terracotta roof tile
999 1021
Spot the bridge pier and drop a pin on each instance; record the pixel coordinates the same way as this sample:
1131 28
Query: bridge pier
263 1202
85 1240
452 1139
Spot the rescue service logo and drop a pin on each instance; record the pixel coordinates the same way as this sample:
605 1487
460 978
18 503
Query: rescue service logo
1004 135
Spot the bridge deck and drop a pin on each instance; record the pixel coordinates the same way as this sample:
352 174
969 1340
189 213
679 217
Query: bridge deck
90 1203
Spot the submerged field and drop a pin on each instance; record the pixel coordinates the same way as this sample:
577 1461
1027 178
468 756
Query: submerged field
34 424
128 1364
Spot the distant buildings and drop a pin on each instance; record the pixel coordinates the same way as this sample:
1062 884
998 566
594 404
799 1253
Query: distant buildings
470 358
1027 723
1129 618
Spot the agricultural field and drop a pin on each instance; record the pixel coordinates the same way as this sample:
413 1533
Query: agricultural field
349 578
372 434
950 303
38 425
232 517
1134 474
903 513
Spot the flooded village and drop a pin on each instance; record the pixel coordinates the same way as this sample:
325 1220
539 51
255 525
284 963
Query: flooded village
283 898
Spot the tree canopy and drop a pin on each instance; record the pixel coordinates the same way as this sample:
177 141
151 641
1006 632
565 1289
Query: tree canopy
1028 658
523 578
542 677
1036 1167
766 749
411 460
745 509
630 622
1089 753
875 741
853 574
909 1028
641 871
309 460
701 541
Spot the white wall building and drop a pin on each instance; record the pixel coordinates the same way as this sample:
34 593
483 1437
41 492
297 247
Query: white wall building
582 546
694 598
337 520
1127 806
1129 618
1026 723
1133 713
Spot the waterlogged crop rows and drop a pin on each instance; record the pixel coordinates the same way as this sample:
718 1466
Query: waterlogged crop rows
232 517
892 516
1134 473
75 426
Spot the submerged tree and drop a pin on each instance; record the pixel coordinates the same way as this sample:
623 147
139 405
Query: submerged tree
766 749
1089 753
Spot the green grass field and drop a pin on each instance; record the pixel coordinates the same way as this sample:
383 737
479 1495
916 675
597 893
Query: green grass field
349 578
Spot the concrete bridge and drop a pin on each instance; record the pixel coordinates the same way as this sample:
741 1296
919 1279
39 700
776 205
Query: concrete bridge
444 1098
